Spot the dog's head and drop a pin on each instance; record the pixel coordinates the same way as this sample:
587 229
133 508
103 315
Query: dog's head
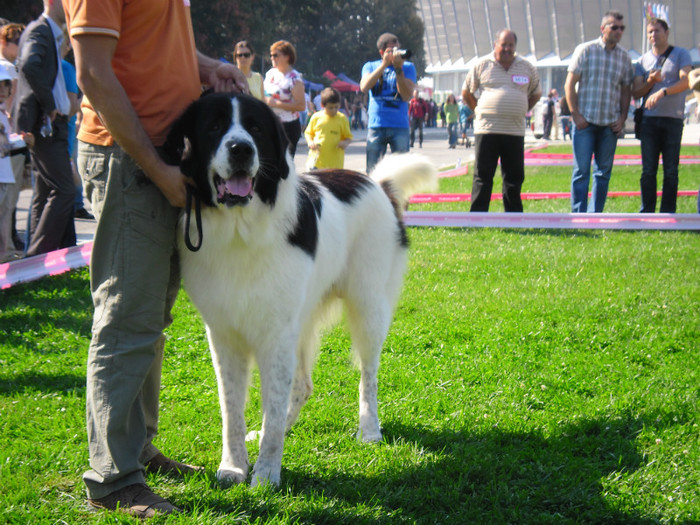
232 146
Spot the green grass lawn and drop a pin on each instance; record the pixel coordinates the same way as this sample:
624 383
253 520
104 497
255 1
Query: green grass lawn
530 376
558 179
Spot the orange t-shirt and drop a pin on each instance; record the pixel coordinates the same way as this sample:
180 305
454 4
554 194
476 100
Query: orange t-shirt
155 59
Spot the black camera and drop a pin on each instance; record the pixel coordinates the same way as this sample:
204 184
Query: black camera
405 53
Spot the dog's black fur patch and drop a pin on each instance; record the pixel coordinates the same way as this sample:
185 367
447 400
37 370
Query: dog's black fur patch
305 234
345 185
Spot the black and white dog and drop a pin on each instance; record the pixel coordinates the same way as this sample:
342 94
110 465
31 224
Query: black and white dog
280 252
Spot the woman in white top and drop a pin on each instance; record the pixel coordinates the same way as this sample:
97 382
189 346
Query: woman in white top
244 56
284 90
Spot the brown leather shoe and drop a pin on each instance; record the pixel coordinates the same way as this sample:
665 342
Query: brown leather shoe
163 465
136 500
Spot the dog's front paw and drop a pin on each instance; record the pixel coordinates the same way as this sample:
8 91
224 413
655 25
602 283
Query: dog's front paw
263 474
372 435
228 477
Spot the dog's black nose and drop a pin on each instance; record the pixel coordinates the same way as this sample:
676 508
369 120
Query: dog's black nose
239 151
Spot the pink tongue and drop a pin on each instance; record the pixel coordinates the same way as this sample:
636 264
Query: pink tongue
239 186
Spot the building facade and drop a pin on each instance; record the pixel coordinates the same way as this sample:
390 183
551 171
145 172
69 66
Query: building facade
458 32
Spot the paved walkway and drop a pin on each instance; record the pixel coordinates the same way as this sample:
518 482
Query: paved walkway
434 146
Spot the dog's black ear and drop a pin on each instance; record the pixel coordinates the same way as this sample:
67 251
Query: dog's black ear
178 147
188 164
282 144
175 142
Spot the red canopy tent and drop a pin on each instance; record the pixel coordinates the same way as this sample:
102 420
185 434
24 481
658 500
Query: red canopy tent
341 82
343 86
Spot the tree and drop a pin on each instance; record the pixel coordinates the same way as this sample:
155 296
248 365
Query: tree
22 12
339 35
218 25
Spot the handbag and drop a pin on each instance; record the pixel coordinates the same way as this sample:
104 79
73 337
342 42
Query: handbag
639 112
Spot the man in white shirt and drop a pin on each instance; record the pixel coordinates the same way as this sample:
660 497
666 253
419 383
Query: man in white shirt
509 87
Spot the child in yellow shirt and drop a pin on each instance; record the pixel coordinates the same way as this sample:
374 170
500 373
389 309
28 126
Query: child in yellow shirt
328 133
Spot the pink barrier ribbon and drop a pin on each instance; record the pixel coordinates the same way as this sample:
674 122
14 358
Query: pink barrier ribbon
455 172
533 154
52 263
578 221
534 158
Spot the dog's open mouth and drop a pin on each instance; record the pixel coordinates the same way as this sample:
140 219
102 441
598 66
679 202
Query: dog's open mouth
237 190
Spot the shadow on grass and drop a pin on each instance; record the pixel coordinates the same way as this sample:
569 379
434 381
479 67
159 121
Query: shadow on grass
472 477
40 382
30 312
34 317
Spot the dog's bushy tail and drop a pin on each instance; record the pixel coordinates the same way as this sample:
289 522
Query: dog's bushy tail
405 174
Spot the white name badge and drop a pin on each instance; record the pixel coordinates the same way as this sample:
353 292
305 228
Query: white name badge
520 80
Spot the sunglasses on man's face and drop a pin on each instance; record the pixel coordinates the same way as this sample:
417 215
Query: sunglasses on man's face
242 55
616 27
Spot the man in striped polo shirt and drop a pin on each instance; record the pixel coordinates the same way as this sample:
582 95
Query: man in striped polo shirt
507 87
604 73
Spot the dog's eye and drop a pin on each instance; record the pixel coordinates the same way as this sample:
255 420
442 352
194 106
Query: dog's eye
252 126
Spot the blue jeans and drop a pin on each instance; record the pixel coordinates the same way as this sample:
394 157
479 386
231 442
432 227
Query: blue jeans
660 136
598 142
379 138
452 133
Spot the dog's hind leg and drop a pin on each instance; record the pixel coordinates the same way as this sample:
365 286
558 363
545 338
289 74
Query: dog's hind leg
327 313
369 325
232 372
303 383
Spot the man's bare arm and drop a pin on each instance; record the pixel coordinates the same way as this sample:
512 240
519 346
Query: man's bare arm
572 100
93 59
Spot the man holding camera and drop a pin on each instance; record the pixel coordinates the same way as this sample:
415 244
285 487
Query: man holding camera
661 80
509 87
389 82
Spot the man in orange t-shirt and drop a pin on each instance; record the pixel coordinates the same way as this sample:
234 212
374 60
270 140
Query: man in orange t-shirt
139 69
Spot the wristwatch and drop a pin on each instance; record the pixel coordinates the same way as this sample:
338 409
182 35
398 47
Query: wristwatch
665 92
399 71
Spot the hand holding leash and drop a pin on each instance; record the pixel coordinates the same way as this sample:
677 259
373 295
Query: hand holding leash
172 184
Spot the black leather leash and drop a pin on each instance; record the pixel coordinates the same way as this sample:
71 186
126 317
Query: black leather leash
197 219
